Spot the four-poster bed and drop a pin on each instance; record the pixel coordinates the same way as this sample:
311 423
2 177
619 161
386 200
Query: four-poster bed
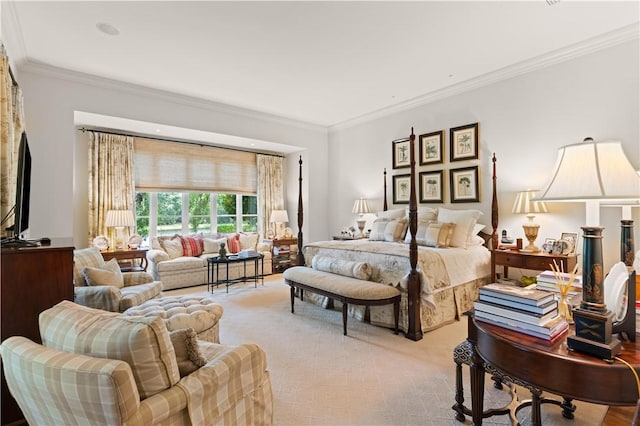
437 284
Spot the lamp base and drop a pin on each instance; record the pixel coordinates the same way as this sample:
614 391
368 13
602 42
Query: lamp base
361 223
531 232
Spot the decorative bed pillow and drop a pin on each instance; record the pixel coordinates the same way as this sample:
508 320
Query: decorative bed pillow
425 214
465 220
395 230
109 274
391 214
347 268
191 246
377 229
432 234
477 228
173 247
248 240
188 356
213 245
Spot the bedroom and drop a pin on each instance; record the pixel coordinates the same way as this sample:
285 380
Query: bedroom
524 119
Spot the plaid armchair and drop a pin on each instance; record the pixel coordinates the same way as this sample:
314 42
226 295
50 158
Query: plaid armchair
138 286
103 368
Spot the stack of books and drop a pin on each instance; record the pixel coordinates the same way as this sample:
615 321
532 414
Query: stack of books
546 280
526 310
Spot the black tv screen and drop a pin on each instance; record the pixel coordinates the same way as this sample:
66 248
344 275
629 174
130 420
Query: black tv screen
23 188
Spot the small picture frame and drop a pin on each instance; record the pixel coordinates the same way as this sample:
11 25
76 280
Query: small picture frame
549 244
463 141
401 153
572 242
431 148
464 185
401 189
431 187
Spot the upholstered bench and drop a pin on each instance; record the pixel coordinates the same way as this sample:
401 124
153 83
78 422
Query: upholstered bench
344 289
463 353
201 313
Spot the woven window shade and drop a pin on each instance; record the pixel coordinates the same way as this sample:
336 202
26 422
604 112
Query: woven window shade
173 166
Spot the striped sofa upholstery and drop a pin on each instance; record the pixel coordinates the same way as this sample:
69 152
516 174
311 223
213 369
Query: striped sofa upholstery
100 368
138 286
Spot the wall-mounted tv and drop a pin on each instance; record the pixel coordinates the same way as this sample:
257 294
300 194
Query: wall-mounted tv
23 190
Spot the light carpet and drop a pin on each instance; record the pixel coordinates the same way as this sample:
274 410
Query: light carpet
370 377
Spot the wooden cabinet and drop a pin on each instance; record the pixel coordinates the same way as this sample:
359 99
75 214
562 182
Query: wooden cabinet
33 280
536 261
282 254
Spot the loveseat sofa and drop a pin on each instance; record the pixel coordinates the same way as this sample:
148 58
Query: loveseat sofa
181 260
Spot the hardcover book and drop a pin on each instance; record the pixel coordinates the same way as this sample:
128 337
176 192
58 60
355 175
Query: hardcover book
558 330
514 314
528 296
542 309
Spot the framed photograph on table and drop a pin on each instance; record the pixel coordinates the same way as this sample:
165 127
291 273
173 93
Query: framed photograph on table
401 154
463 142
431 187
401 189
571 238
464 185
431 148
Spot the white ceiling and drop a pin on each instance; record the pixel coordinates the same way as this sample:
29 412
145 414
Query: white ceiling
324 63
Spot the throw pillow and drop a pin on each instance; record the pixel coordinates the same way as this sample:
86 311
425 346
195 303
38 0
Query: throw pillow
212 245
347 268
185 344
248 241
437 234
173 247
391 214
191 246
395 230
233 243
377 229
465 220
109 274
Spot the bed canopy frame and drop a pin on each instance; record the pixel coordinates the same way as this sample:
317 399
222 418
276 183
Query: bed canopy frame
414 330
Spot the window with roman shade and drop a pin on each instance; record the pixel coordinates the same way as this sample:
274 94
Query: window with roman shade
175 166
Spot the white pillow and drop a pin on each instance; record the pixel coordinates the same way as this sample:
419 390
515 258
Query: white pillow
465 220
391 214
476 240
108 274
173 247
377 229
248 241
437 234
477 228
395 230
424 214
213 246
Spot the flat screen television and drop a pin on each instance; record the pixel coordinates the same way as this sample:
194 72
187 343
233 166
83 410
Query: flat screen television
23 190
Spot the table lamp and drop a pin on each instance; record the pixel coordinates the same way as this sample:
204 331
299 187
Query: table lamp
525 204
119 219
592 172
279 217
361 207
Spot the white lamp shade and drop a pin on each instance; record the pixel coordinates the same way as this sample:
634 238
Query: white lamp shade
592 171
279 216
525 203
361 206
118 218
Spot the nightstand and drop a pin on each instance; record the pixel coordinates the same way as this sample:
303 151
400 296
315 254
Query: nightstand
539 261
127 258
282 257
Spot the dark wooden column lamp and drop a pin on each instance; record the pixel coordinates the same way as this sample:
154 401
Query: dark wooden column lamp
596 172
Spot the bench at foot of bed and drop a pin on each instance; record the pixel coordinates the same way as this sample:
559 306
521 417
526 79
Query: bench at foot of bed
344 289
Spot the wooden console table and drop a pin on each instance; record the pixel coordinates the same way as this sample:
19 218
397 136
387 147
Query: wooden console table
128 255
550 367
539 261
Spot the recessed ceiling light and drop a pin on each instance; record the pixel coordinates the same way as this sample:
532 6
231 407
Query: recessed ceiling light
107 29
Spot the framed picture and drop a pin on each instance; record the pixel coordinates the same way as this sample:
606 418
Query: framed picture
431 148
401 189
401 154
431 187
463 142
572 242
549 244
464 185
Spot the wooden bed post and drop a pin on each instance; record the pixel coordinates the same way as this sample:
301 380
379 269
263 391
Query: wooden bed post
300 256
494 222
414 330
384 206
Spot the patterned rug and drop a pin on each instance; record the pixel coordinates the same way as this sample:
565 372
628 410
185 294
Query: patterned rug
370 377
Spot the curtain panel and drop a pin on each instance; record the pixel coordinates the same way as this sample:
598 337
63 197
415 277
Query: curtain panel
11 128
270 189
111 184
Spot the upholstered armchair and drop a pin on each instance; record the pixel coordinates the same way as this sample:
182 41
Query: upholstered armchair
104 368
101 285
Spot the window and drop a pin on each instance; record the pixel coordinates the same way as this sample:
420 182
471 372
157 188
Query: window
169 213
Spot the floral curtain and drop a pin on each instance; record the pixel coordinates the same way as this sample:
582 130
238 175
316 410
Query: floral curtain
11 128
270 189
111 184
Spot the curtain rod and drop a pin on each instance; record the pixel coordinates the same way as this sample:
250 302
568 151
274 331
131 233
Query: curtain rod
200 144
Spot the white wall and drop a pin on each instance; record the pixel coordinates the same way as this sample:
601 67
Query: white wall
524 120
59 179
